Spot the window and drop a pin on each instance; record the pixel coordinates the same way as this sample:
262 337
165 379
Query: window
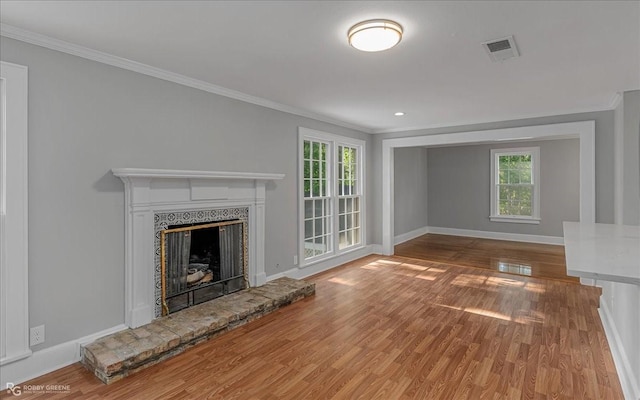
331 200
348 197
515 185
317 203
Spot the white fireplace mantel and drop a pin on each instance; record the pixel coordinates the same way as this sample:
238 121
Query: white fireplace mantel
149 191
146 173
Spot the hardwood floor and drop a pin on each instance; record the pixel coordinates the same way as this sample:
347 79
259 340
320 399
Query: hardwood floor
529 259
393 328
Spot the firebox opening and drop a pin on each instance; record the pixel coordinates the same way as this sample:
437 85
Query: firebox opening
201 262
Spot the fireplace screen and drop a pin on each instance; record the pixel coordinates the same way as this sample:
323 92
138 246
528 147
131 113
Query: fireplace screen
201 262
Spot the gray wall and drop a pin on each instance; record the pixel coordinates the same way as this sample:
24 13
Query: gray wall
604 157
631 158
459 187
86 118
410 185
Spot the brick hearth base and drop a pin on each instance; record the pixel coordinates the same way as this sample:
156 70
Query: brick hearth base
123 353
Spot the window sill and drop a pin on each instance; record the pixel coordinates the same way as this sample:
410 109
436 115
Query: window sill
331 256
315 260
514 220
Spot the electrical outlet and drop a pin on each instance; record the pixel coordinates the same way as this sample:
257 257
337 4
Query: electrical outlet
295 260
37 335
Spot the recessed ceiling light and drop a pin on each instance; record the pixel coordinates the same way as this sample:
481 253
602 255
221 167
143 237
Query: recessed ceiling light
399 114
375 35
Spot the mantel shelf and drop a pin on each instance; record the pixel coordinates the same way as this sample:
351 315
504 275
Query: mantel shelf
186 174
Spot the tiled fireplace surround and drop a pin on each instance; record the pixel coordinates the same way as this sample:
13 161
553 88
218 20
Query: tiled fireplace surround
157 198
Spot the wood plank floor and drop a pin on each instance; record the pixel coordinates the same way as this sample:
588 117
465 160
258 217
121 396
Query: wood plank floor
392 328
529 259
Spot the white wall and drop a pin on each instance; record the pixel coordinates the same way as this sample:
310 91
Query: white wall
620 303
620 314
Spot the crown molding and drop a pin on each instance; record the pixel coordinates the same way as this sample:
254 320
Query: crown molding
616 99
612 104
38 39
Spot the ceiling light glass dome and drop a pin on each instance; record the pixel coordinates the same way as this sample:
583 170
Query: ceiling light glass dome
375 35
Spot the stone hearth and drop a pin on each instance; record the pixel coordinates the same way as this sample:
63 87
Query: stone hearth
113 357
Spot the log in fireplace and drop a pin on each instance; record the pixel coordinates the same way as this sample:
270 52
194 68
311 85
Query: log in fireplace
200 262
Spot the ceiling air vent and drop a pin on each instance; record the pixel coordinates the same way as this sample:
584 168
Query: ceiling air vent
501 49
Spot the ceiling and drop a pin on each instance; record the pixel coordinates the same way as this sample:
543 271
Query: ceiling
575 55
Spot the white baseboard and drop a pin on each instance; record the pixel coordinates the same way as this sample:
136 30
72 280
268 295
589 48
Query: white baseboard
280 274
50 359
303 272
628 380
410 235
514 237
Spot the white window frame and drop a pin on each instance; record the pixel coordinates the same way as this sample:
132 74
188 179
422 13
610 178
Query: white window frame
329 214
14 307
333 142
494 215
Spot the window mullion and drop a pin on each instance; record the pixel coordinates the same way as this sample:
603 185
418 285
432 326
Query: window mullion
322 167
335 199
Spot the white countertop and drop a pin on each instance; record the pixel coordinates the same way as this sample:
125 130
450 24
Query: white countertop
603 251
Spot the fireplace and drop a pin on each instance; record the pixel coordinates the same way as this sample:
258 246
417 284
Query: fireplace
200 262
161 200
186 221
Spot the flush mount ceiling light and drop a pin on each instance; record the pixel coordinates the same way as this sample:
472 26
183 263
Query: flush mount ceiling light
375 35
399 114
